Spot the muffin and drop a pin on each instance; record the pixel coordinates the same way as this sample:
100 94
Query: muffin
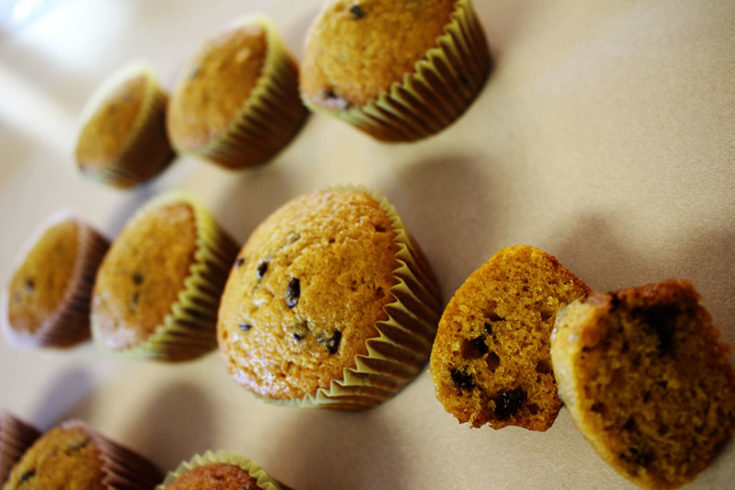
46 302
219 471
330 304
647 380
399 71
122 140
15 437
490 361
237 102
157 290
73 455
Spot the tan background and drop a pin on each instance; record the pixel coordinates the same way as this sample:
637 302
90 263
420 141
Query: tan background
605 136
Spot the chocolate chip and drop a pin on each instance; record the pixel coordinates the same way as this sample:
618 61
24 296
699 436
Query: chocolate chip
475 348
357 12
629 425
245 327
492 361
333 342
239 261
333 100
543 367
297 337
26 476
637 456
30 284
662 321
614 301
138 278
462 380
293 291
261 270
488 328
508 402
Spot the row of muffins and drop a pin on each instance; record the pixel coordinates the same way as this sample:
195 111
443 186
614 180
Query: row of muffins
75 455
242 97
330 303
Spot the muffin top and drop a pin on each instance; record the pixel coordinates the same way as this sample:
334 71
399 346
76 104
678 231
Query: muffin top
305 293
107 132
41 283
356 49
64 457
215 85
216 476
143 273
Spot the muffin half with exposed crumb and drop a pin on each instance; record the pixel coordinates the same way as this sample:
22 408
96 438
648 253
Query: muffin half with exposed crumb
490 362
647 380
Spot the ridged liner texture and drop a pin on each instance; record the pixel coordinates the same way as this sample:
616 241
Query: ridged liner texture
265 481
189 329
69 324
271 115
16 437
399 351
443 85
147 150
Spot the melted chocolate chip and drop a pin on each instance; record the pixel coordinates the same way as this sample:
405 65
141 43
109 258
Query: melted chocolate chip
245 327
508 402
357 12
26 476
475 348
293 291
138 278
489 328
239 261
262 269
637 456
462 380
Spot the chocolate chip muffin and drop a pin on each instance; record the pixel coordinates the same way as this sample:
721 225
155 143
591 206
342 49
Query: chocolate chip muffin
122 140
157 291
647 380
329 304
237 102
73 455
46 302
399 71
220 471
490 362
16 437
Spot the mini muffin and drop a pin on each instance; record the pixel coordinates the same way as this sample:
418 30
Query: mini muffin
330 304
123 141
46 302
75 456
399 71
237 102
157 290
220 471
647 380
490 362
16 437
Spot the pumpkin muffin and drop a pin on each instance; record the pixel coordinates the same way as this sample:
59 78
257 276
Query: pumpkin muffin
46 302
220 471
399 71
123 139
73 455
157 290
237 102
16 437
329 304
490 362
647 380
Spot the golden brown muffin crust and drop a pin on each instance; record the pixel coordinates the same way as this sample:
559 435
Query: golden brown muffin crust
647 380
490 362
306 292
216 85
106 134
63 458
216 476
356 49
42 282
143 274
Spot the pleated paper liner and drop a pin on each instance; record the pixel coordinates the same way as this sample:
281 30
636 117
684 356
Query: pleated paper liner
443 85
189 329
69 323
271 115
401 348
16 437
264 480
146 150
